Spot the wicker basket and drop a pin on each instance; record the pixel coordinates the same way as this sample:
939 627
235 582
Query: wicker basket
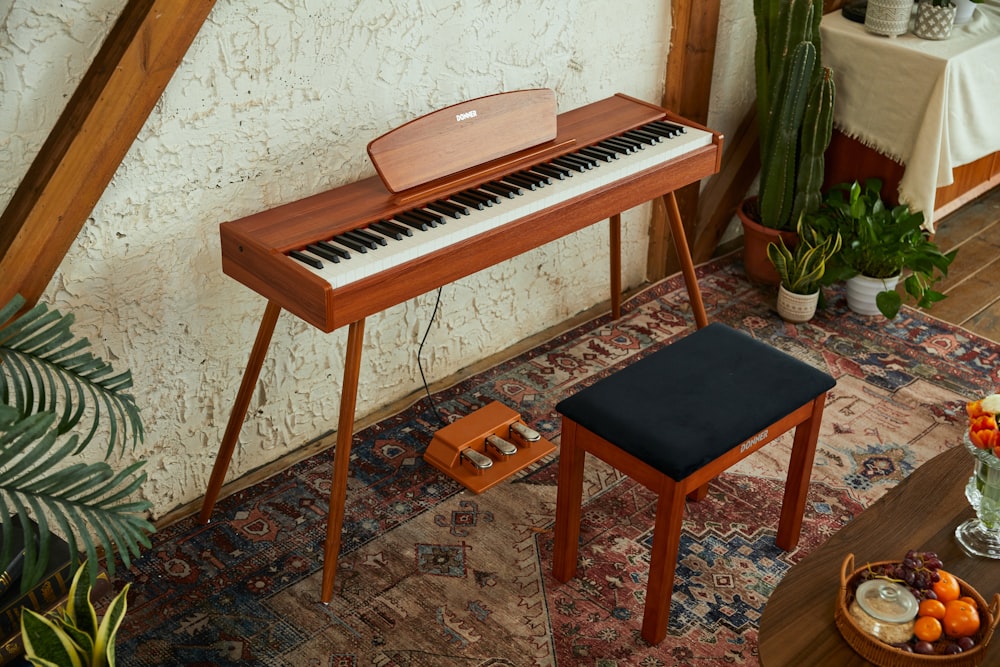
883 654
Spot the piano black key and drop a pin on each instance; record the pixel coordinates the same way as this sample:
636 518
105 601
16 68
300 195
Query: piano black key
661 130
540 180
598 154
573 165
653 136
501 189
415 222
427 215
350 243
471 202
306 259
336 249
678 129
448 208
487 199
391 229
627 146
374 238
634 143
316 249
581 160
522 181
371 244
551 171
641 138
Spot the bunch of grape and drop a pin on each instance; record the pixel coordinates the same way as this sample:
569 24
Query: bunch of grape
917 571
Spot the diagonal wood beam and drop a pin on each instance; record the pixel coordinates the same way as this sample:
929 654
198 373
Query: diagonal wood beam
90 139
687 92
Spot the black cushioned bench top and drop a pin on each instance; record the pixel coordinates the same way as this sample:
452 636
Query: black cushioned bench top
695 399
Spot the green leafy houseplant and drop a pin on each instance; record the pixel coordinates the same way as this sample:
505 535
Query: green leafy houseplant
882 242
51 386
802 268
72 636
795 95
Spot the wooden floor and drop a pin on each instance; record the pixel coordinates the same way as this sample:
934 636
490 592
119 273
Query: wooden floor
973 282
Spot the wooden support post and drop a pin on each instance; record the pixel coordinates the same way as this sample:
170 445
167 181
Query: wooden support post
615 224
684 255
342 457
240 405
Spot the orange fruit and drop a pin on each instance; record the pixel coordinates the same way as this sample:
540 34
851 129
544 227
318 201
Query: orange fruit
928 629
961 619
932 608
946 588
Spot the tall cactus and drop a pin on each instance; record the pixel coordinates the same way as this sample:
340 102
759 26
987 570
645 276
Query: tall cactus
794 108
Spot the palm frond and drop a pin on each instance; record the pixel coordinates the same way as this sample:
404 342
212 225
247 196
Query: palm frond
88 502
42 366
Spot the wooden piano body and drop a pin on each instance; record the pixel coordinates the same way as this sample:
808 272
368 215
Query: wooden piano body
255 250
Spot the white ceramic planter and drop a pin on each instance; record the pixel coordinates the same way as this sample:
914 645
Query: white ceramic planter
861 291
933 22
964 9
888 17
794 307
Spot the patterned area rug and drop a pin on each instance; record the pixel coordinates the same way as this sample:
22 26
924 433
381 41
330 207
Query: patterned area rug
431 574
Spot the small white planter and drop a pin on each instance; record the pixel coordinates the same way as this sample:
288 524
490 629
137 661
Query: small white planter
934 22
964 9
861 291
796 307
888 17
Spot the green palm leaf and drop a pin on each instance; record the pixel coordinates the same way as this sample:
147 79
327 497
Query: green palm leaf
50 386
43 365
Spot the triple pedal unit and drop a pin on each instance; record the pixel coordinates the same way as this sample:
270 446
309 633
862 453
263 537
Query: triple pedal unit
486 447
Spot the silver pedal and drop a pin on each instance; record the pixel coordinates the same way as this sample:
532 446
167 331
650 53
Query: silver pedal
503 447
524 434
478 461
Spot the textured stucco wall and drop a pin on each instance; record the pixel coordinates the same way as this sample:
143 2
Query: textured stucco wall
278 100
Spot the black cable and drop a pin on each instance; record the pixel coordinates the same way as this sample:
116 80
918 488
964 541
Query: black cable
420 365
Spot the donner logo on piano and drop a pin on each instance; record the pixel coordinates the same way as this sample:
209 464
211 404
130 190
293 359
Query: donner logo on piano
465 116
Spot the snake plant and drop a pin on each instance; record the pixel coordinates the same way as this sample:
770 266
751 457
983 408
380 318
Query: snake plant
72 635
802 268
57 400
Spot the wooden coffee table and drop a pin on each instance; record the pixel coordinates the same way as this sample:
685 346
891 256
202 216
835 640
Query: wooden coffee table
921 512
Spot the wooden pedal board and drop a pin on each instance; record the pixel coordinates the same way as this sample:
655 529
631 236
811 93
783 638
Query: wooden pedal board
468 450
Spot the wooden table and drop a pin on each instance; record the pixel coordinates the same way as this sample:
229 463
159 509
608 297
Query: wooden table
921 512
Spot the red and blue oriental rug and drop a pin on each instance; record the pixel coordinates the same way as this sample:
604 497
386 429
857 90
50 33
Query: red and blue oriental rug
433 575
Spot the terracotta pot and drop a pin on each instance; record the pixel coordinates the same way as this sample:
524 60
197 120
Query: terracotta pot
755 239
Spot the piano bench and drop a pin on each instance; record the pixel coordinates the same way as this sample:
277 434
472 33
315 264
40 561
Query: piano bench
675 420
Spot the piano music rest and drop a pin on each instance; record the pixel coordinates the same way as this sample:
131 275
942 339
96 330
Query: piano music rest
448 451
336 257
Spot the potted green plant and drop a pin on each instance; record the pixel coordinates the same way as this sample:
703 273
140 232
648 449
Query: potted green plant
72 634
801 270
59 400
880 244
795 96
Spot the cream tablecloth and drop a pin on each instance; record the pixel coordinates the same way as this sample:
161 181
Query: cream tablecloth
929 105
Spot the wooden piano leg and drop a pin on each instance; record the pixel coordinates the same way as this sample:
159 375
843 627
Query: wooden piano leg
616 265
240 405
684 255
342 457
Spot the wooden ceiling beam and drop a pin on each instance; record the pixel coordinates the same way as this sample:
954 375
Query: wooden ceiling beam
90 139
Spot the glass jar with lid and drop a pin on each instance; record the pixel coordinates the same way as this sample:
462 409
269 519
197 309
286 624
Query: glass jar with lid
885 609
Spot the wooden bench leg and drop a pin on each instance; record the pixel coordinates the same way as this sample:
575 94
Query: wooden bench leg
663 561
799 471
569 498
699 493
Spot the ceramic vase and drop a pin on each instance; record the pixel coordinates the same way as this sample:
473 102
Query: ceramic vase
862 290
888 17
964 9
794 307
981 536
933 22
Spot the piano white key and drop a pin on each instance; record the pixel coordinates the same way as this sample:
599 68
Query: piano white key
422 243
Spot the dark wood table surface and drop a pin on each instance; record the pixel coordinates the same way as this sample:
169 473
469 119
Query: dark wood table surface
921 512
